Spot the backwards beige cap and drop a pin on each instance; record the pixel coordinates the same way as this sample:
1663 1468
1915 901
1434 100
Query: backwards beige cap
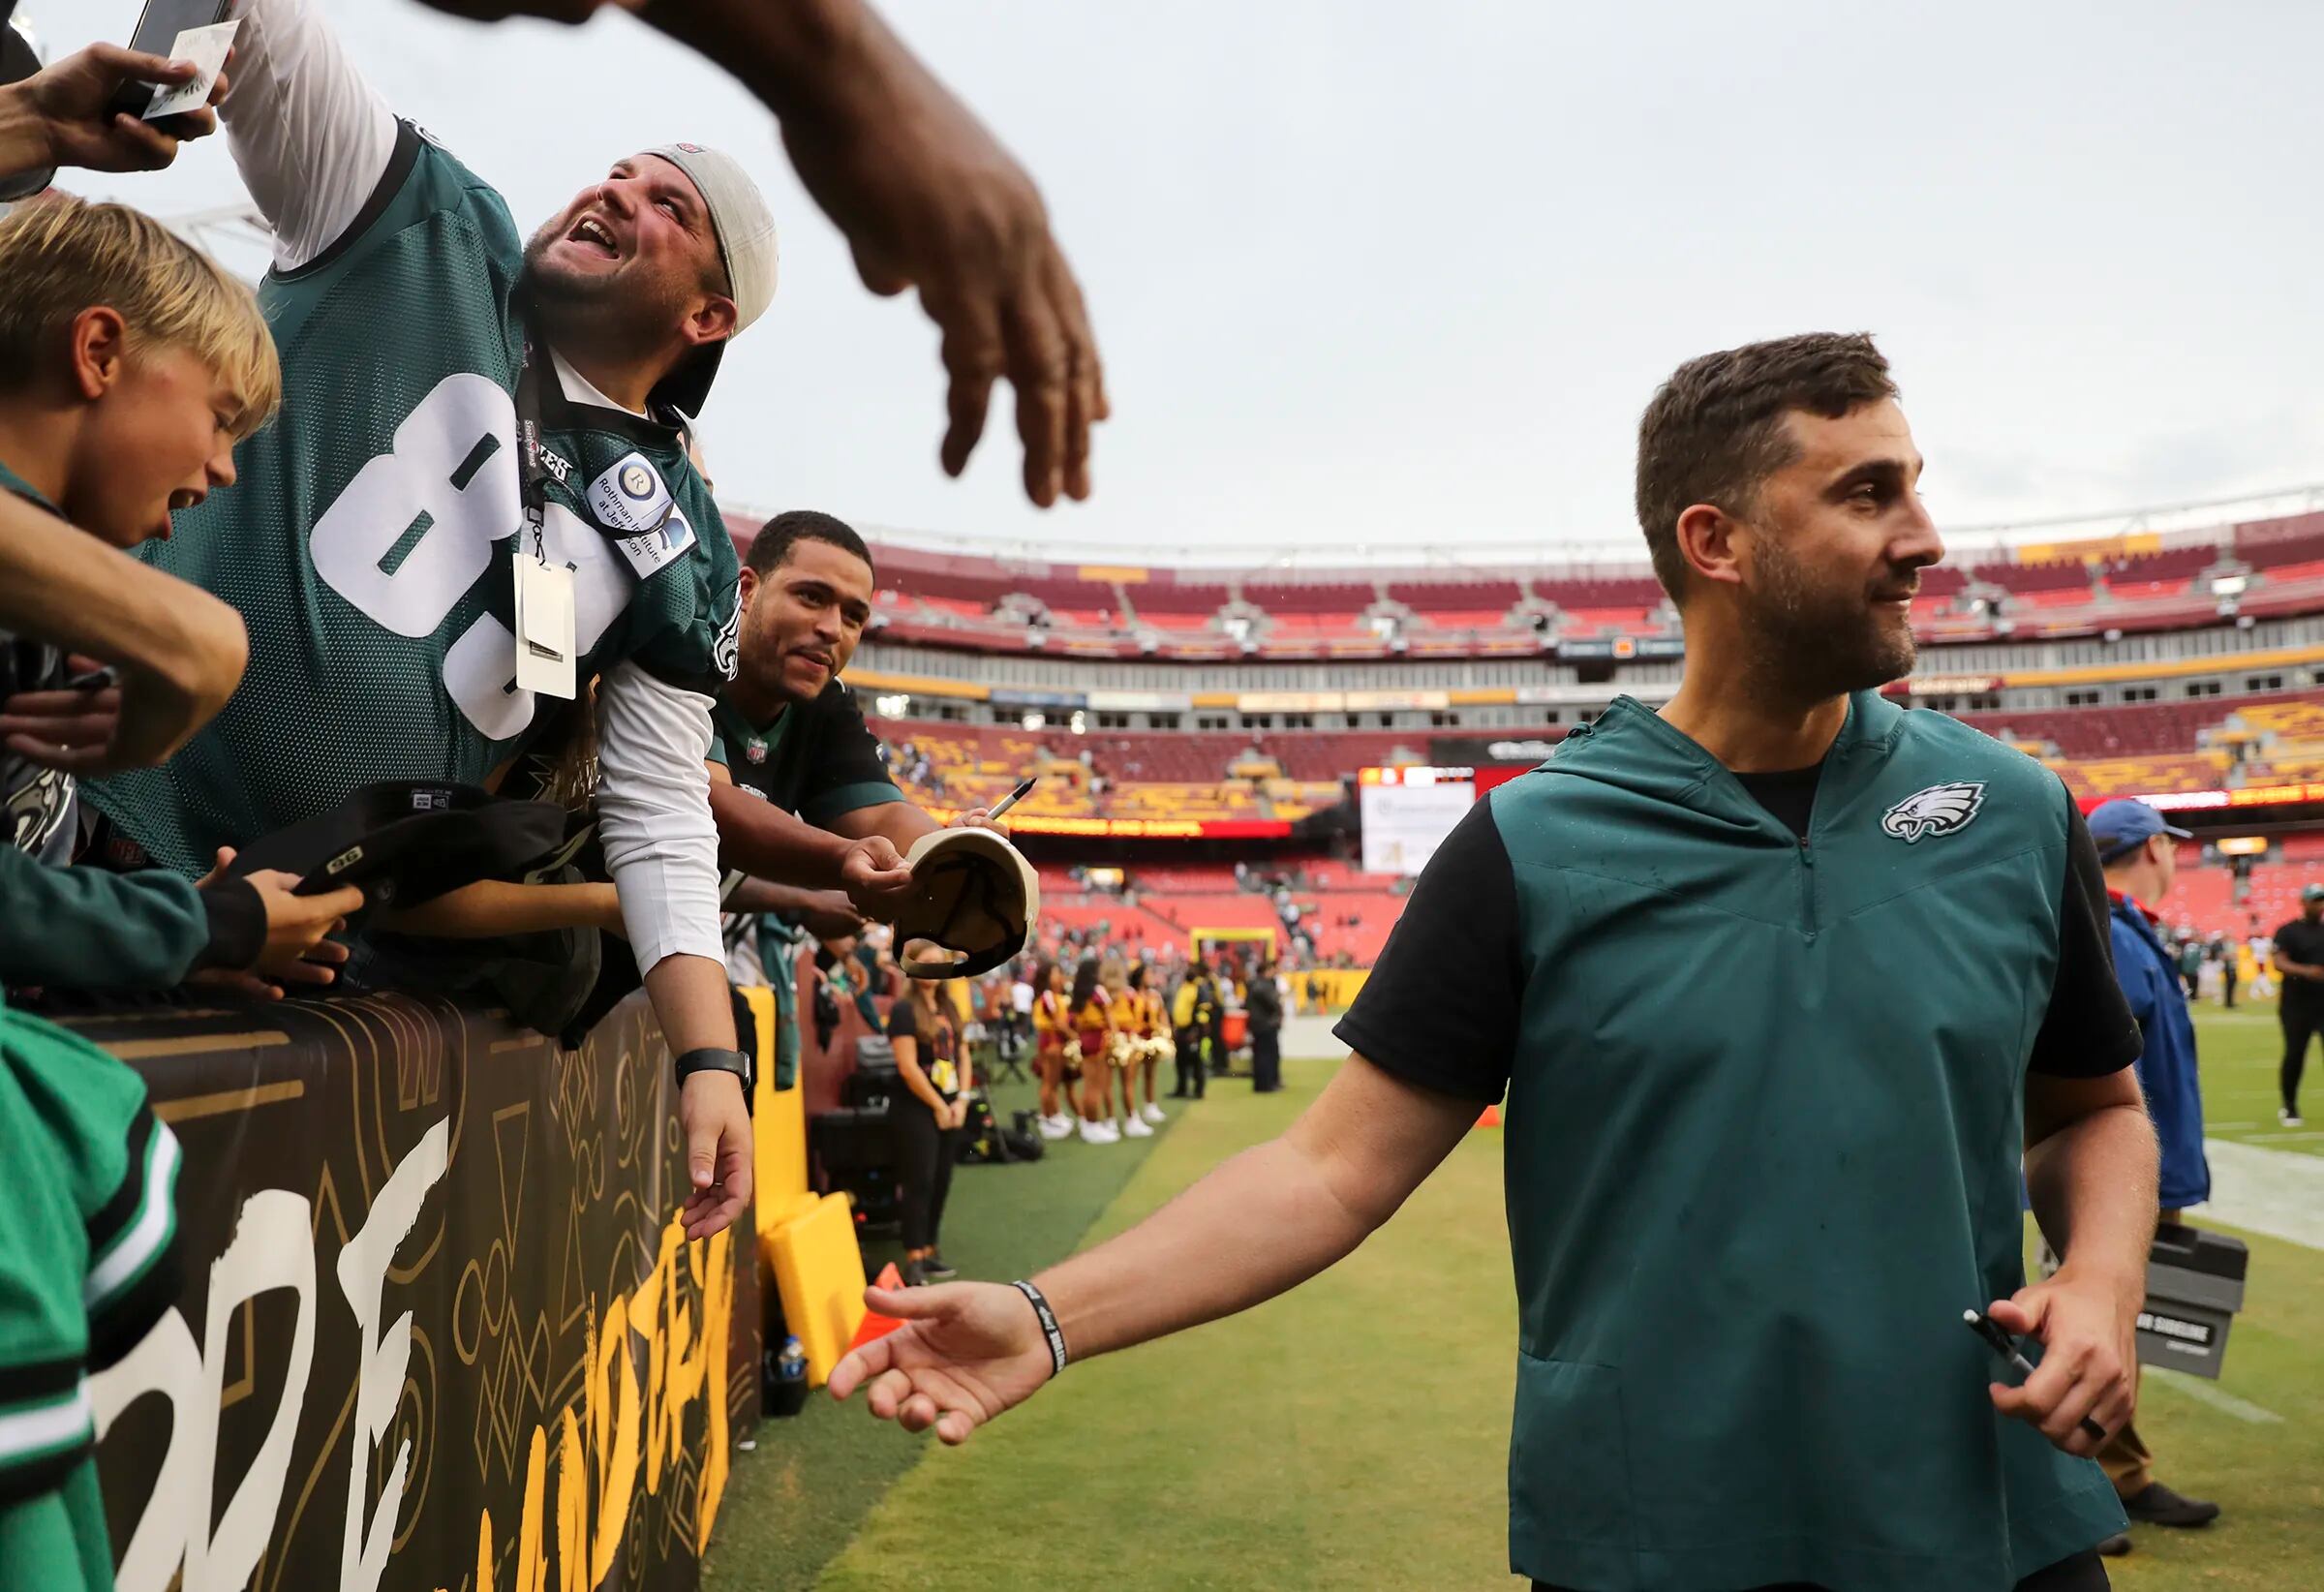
744 228
975 896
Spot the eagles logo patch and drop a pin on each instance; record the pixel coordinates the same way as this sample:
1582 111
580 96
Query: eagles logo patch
38 812
725 652
1939 810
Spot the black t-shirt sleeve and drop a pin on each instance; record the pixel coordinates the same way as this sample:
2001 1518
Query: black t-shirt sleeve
903 1024
1442 1007
2302 942
845 772
2088 1030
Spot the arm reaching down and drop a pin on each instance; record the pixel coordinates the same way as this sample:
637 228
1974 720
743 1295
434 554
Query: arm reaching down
662 845
927 198
662 849
929 201
1259 1225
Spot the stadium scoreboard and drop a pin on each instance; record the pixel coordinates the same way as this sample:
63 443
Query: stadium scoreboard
1406 813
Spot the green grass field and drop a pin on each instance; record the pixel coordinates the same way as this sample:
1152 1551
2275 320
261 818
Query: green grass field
2240 1051
1351 1434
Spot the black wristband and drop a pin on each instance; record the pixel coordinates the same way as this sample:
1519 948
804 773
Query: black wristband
710 1058
236 920
1049 1328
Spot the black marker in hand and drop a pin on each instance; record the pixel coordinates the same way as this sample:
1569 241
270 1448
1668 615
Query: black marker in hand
1013 797
2006 1346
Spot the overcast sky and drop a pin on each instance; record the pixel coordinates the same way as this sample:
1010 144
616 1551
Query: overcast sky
1368 273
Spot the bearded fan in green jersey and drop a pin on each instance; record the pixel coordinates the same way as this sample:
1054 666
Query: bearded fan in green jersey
374 540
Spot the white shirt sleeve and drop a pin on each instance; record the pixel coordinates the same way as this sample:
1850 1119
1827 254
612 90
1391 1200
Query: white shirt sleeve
654 819
312 137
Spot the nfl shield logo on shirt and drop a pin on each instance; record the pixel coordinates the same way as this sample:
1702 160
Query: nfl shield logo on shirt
1939 810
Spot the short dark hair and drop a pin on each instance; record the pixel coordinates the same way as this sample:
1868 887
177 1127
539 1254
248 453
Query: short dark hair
1715 432
776 539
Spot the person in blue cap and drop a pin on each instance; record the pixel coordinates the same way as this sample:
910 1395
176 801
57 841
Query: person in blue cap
2140 853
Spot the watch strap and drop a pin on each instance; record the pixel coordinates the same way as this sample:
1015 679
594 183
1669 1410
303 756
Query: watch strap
710 1058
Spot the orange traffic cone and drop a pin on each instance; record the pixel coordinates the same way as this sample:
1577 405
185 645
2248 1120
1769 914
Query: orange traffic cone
1491 1118
875 1325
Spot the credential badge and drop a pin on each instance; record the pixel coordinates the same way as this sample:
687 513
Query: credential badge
630 496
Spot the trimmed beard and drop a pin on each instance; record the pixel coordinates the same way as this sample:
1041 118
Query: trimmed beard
1814 642
604 316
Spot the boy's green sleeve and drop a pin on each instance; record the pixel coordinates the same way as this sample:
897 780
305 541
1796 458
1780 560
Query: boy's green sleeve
92 930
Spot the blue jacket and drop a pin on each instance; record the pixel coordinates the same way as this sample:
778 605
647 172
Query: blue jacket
2167 1067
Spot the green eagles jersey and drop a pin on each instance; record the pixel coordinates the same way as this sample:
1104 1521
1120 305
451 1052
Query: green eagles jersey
817 759
370 536
37 801
88 1265
82 927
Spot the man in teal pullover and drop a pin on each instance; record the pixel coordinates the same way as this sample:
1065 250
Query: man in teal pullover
1783 984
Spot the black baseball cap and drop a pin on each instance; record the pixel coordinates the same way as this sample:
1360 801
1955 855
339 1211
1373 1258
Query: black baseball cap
409 841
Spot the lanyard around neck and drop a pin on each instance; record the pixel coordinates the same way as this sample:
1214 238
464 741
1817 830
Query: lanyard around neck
539 463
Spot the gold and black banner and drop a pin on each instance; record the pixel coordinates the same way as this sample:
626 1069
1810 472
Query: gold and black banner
439 1327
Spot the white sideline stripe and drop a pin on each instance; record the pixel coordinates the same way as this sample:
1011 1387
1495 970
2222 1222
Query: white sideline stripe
49 1426
2278 1192
148 1232
2217 1397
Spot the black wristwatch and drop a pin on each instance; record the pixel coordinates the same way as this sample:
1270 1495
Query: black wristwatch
711 1059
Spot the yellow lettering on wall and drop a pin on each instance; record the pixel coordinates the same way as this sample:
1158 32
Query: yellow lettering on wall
622 1422
717 1293
617 1449
532 1557
572 1507
657 1295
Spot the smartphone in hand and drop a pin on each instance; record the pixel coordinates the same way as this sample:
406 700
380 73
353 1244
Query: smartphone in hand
157 30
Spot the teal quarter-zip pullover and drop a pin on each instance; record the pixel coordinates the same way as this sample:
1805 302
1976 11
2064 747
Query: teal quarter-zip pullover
1763 1144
